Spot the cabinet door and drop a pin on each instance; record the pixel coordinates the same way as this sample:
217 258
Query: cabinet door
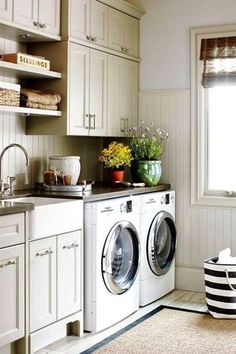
42 282
25 13
131 35
115 29
69 273
114 114
6 10
130 93
99 23
98 92
11 294
78 94
79 19
49 16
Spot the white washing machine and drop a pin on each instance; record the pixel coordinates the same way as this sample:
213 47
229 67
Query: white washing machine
112 257
158 244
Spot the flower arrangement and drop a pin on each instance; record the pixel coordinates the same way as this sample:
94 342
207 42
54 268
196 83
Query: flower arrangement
147 142
116 156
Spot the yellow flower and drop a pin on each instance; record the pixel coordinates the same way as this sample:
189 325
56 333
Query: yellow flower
117 155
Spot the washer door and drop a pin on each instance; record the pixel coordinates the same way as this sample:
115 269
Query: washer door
161 243
120 259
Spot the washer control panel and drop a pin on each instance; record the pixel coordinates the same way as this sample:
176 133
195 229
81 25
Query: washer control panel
126 207
165 199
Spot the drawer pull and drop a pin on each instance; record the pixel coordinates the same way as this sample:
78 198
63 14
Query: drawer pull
45 253
35 23
9 263
73 245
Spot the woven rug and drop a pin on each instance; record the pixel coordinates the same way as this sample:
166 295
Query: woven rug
169 331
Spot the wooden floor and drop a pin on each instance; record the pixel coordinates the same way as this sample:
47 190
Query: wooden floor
177 298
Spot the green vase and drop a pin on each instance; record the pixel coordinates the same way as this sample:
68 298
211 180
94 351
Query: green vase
147 171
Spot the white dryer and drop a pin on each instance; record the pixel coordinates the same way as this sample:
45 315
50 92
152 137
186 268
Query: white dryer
158 244
112 257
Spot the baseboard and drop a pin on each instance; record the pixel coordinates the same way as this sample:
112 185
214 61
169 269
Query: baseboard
189 278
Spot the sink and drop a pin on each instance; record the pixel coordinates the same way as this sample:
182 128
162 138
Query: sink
52 216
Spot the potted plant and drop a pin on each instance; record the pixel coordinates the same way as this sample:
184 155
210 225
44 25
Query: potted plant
115 157
147 145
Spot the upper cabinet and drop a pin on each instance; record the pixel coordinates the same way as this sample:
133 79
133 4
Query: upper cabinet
6 10
122 95
83 88
96 23
123 33
42 15
88 21
30 20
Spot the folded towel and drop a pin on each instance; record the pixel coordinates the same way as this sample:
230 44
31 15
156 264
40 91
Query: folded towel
29 104
225 257
40 96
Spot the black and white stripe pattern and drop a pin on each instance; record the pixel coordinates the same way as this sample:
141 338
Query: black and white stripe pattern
220 296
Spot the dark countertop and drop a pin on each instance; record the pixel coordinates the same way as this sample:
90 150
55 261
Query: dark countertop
9 207
101 192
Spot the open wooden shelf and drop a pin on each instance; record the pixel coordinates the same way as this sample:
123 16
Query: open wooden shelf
22 71
30 111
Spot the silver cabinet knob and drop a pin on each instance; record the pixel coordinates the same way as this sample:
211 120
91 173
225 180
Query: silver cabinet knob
36 23
42 25
88 37
93 39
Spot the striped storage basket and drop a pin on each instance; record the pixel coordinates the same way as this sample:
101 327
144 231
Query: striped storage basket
220 284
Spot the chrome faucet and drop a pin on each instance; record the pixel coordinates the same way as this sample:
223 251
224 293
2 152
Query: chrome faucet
5 186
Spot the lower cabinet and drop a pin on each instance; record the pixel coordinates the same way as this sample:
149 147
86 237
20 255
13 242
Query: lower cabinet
69 278
11 294
55 274
42 283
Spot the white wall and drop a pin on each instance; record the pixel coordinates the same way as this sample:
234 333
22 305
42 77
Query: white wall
165 54
165 37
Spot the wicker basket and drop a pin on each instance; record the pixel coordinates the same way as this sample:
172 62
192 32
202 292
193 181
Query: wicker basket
9 94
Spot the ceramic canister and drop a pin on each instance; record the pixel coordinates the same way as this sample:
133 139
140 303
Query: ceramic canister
67 165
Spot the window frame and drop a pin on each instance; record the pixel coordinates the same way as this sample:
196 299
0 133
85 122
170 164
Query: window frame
199 123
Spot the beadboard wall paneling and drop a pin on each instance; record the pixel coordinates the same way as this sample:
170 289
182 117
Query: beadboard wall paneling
13 128
202 231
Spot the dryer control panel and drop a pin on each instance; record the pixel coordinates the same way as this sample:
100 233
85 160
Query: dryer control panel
126 207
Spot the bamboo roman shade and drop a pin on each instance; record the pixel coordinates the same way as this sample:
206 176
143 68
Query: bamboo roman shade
219 57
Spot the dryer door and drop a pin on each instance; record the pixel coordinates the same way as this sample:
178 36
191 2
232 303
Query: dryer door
120 259
161 243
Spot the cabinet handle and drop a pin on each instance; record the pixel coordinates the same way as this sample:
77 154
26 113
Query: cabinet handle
123 124
36 23
89 120
42 25
45 253
9 263
88 37
125 50
93 39
94 121
73 245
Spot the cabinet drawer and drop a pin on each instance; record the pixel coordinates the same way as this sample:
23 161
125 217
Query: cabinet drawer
11 229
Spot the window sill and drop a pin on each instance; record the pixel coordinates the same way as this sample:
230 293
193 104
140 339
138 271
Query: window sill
214 201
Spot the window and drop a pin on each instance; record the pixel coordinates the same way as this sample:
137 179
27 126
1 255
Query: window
213 111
